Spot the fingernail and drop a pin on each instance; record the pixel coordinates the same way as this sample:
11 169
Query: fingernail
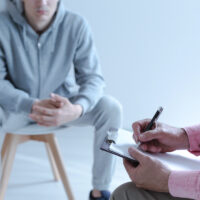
130 149
144 147
142 137
136 138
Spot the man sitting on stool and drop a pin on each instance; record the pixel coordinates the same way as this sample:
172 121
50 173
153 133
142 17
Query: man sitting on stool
40 44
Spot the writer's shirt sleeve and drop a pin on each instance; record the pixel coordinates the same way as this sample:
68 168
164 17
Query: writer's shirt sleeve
11 98
193 133
185 184
87 70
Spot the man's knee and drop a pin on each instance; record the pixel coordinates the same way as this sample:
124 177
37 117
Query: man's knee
110 107
124 192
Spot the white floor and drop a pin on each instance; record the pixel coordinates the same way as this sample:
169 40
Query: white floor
32 178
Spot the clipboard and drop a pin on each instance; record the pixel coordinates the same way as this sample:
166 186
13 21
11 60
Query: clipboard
106 147
119 142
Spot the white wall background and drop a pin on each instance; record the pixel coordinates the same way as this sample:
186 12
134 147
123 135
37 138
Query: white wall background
150 55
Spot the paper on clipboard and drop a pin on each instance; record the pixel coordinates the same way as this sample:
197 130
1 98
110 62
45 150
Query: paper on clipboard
177 160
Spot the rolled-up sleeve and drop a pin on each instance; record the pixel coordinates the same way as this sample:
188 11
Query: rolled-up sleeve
193 133
186 184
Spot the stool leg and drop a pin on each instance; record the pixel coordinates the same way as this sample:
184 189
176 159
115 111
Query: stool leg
4 147
7 164
51 140
53 164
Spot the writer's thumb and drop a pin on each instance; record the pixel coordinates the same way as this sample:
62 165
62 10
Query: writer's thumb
136 154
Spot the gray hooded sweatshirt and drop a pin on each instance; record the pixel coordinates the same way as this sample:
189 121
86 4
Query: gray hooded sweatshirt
32 66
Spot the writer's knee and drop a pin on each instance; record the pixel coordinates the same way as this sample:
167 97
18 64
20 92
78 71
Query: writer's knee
123 192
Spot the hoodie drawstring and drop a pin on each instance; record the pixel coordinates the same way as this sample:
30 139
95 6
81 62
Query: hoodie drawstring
52 39
25 38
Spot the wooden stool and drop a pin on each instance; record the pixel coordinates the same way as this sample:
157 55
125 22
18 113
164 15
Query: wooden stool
8 154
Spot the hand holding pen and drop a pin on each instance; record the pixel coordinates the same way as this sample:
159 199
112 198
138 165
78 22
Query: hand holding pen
158 137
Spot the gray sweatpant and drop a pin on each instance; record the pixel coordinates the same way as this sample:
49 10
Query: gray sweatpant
129 191
105 115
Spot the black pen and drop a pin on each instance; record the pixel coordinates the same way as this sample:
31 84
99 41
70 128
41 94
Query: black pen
153 120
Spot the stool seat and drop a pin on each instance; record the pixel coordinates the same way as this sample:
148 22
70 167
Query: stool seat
40 134
34 129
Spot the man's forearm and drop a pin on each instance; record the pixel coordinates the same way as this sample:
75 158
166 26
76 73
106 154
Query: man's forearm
89 94
14 100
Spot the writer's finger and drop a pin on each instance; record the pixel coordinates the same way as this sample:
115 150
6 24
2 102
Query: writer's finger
149 135
139 126
151 148
136 154
128 166
136 130
135 138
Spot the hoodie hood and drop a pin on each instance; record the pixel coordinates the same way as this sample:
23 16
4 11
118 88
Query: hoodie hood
16 11
18 4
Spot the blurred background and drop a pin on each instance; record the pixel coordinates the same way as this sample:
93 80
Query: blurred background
150 55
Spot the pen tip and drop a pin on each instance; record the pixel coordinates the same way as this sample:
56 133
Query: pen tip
160 109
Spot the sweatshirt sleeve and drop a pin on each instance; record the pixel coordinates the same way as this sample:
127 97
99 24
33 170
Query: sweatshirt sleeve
12 99
87 70
185 184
